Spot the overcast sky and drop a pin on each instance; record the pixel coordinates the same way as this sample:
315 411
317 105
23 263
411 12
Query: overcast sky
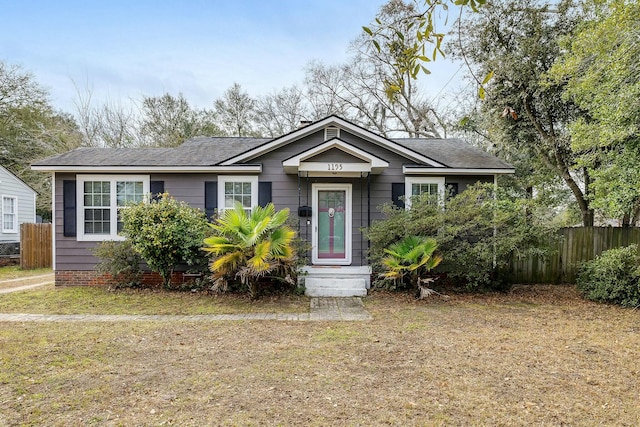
126 49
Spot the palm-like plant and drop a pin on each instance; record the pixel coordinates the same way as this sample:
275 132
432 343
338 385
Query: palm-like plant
250 245
410 258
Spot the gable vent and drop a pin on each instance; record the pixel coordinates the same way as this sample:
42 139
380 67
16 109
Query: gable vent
331 132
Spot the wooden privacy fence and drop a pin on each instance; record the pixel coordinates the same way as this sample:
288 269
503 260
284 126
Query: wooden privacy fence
575 246
35 246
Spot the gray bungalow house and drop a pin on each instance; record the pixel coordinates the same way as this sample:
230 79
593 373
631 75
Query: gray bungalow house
331 174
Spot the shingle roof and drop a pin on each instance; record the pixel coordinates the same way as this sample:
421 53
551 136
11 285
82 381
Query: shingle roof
200 151
454 153
210 151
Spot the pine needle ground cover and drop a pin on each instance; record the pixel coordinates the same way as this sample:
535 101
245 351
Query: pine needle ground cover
536 356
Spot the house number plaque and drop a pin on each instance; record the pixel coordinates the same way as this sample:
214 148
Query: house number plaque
334 166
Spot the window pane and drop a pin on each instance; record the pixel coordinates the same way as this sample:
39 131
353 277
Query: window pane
96 221
239 192
9 219
97 194
129 192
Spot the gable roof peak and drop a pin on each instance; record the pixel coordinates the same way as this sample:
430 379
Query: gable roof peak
340 123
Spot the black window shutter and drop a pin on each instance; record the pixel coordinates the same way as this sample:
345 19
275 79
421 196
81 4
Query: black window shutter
69 208
156 188
452 189
210 198
397 192
264 193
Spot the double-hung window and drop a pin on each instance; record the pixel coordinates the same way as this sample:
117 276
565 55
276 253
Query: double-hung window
9 214
100 199
241 189
420 185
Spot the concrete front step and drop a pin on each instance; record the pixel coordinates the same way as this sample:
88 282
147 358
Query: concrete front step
334 287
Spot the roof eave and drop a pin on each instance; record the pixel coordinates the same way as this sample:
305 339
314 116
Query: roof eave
410 170
256 168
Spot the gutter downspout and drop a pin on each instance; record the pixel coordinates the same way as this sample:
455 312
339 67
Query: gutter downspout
495 228
368 209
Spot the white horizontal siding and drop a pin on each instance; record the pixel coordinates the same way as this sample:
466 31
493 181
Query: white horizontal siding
11 186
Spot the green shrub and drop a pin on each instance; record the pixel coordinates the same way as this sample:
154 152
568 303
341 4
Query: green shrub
478 231
613 277
166 233
120 261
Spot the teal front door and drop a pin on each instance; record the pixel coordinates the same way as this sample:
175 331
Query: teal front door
332 228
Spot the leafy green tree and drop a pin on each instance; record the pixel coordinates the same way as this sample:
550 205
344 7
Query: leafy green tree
249 246
166 233
414 57
410 258
600 75
30 130
526 114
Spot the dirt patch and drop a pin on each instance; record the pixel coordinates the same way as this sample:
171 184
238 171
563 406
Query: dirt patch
537 355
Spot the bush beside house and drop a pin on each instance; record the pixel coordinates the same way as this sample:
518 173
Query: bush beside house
478 232
166 233
613 277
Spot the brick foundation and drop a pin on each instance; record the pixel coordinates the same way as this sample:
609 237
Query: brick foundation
93 278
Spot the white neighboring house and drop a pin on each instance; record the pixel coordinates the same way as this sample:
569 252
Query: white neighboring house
17 205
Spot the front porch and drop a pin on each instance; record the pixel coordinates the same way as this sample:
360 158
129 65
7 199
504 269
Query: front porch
336 281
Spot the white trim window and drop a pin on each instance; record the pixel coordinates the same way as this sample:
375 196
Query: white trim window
234 188
9 214
419 185
100 199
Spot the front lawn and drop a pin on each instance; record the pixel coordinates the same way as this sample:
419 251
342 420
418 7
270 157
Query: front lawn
537 356
102 300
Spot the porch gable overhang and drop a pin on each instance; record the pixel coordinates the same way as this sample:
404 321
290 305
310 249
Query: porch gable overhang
368 162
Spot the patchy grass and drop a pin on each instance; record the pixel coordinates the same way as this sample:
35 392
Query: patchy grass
15 272
536 356
102 300
14 276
